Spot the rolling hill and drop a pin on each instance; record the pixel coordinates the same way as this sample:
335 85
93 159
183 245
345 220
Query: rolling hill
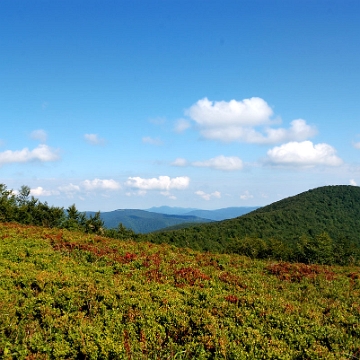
331 209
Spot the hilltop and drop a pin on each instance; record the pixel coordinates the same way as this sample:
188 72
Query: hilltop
334 210
70 295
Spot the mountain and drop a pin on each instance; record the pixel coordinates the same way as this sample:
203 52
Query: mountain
331 209
222 214
141 221
169 210
216 215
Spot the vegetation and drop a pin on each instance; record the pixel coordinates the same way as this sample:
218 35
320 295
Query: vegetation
75 295
318 226
141 221
23 209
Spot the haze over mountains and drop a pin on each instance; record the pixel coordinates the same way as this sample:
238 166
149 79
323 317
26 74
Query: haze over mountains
153 219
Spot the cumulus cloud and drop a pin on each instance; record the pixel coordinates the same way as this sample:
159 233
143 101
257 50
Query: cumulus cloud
352 182
303 154
161 183
94 139
205 196
238 120
69 190
221 162
39 135
42 153
181 125
96 184
40 191
179 162
246 195
151 141
248 112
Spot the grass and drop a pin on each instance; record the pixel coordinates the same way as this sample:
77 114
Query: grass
68 295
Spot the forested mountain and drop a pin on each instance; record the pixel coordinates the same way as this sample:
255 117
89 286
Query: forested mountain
170 210
141 221
216 215
222 214
317 226
285 226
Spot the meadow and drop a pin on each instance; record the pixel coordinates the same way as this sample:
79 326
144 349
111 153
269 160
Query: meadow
71 295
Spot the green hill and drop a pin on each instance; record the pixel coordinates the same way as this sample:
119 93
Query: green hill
71 295
334 210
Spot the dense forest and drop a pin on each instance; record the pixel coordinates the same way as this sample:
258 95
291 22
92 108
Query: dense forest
320 225
317 226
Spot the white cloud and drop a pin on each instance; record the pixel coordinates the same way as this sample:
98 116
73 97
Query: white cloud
298 131
160 183
69 190
168 195
151 141
237 120
246 195
39 135
94 139
205 196
357 145
221 163
105 184
303 154
42 153
179 162
352 182
39 191
181 125
248 112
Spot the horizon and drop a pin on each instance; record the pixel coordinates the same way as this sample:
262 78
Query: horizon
147 104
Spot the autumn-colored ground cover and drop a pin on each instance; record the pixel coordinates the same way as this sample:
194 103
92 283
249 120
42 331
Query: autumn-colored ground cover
68 295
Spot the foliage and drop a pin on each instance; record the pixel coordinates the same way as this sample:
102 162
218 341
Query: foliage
318 226
72 295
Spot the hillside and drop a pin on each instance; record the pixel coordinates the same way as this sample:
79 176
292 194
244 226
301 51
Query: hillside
331 209
222 214
142 221
71 295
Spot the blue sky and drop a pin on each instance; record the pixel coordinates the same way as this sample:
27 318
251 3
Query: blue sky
206 104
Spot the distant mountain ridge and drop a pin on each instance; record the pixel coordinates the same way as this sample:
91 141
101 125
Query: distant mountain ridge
141 221
145 221
216 215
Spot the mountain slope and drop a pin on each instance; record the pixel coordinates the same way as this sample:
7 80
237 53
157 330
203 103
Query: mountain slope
142 221
222 214
70 295
331 209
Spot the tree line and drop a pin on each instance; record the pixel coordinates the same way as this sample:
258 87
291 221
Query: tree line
25 209
261 235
